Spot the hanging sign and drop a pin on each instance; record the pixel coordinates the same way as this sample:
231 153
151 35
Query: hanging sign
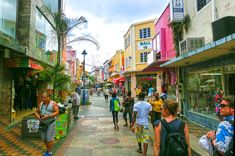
177 10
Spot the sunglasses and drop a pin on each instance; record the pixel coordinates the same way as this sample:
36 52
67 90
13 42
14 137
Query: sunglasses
223 105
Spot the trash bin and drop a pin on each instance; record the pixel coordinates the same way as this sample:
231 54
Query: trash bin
87 93
30 128
61 125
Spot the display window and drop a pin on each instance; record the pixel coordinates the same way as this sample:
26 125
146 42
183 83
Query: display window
204 91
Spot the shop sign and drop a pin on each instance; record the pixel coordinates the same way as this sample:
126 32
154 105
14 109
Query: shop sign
144 45
177 10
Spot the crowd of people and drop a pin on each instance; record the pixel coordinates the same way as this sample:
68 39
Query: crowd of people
171 134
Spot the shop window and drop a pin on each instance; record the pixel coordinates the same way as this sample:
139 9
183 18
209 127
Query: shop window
201 90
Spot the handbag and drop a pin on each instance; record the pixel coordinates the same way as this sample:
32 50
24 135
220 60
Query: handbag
44 126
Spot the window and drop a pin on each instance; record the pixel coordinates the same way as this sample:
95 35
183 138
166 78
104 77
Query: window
201 4
144 33
45 36
8 16
128 62
144 57
127 41
201 89
53 5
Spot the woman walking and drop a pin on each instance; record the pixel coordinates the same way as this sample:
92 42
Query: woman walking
115 107
169 125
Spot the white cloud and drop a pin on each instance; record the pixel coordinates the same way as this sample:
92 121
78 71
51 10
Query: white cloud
108 21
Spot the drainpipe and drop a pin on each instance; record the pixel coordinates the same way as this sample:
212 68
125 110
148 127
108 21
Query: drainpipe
214 11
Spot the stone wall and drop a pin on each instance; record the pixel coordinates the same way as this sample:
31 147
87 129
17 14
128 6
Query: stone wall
5 92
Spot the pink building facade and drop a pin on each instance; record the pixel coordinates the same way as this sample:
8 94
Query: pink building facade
163 48
163 43
71 63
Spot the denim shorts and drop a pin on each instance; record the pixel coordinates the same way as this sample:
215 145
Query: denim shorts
49 134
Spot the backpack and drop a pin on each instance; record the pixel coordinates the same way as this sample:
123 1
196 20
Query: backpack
229 151
116 105
175 143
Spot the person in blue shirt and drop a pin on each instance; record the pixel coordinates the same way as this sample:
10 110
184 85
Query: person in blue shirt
114 108
225 131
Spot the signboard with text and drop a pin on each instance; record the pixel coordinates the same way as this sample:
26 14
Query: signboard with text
177 10
144 45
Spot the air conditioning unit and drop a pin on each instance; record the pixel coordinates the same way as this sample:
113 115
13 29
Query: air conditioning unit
191 43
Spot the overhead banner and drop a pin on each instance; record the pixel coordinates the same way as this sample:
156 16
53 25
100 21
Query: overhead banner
177 10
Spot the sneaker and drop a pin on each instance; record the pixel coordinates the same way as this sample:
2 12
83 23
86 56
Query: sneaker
76 118
125 125
139 151
45 154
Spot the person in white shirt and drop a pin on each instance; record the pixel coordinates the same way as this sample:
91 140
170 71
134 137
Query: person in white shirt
140 117
76 104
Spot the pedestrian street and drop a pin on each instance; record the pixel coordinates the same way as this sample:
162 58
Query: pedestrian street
93 134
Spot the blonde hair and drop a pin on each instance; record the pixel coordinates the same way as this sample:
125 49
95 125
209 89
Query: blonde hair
171 105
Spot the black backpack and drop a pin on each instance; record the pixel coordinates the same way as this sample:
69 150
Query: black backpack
175 143
229 151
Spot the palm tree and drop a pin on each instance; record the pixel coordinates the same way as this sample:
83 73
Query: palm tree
62 26
55 77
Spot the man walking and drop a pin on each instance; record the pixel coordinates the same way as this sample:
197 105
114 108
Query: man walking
128 108
46 112
225 131
140 116
76 104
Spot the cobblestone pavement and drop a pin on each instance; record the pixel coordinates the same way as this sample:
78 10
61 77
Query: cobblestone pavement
11 143
93 134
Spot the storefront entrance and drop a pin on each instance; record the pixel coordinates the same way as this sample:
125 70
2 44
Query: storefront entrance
146 81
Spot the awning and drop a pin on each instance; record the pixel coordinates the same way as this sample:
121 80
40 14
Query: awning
23 62
216 49
154 66
119 79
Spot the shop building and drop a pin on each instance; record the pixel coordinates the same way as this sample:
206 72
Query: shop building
24 46
163 50
212 66
138 44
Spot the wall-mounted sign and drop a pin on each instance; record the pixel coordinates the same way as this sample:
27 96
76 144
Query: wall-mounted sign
144 45
177 10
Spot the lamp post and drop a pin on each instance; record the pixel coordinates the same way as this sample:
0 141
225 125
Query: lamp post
84 77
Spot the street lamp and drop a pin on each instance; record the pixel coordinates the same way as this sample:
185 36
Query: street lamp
84 77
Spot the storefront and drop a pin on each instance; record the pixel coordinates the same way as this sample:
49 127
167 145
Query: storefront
202 86
202 73
24 85
146 81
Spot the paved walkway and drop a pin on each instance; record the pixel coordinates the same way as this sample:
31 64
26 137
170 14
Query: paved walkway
93 134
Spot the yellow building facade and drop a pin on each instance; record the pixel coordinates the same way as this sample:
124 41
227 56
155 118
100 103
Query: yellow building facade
117 65
138 44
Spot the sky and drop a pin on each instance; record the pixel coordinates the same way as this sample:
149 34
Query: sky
108 21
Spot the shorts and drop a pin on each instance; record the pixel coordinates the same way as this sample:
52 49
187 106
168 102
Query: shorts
49 134
142 133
